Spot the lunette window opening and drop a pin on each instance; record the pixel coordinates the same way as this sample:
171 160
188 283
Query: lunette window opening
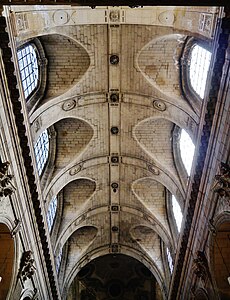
187 149
199 66
28 66
52 210
177 212
41 150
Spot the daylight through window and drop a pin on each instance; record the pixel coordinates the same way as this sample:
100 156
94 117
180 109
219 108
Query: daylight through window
28 65
187 149
199 65
41 150
52 212
177 212
170 261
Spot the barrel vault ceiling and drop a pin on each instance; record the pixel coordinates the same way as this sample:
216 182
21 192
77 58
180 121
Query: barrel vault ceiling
113 97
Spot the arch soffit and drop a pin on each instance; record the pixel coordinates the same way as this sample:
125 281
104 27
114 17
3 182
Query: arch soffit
45 120
146 170
83 220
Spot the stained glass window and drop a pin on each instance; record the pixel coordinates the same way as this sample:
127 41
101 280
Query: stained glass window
199 66
41 150
28 66
187 149
52 212
177 212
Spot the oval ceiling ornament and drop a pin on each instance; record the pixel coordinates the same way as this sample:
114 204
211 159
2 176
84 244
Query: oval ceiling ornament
68 105
166 18
75 170
159 105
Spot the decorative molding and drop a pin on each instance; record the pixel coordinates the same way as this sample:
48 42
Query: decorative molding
200 265
27 267
222 184
16 228
37 124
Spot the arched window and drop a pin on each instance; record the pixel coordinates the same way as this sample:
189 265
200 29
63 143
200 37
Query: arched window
52 212
170 260
41 150
199 66
177 212
187 149
58 261
28 66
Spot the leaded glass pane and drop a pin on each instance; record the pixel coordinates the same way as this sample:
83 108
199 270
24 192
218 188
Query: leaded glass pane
52 212
58 261
199 65
187 149
28 66
41 150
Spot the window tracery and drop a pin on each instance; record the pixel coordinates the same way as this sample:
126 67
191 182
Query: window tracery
28 66
51 214
41 150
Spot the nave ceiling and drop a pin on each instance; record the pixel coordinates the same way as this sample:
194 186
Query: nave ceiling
113 105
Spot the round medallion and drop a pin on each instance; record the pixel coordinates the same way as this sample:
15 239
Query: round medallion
60 17
159 105
68 105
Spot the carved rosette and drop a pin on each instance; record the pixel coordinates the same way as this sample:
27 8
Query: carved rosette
114 16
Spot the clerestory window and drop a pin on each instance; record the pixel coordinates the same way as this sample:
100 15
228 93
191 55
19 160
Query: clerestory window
41 150
177 212
58 261
28 66
187 149
199 65
170 260
52 210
